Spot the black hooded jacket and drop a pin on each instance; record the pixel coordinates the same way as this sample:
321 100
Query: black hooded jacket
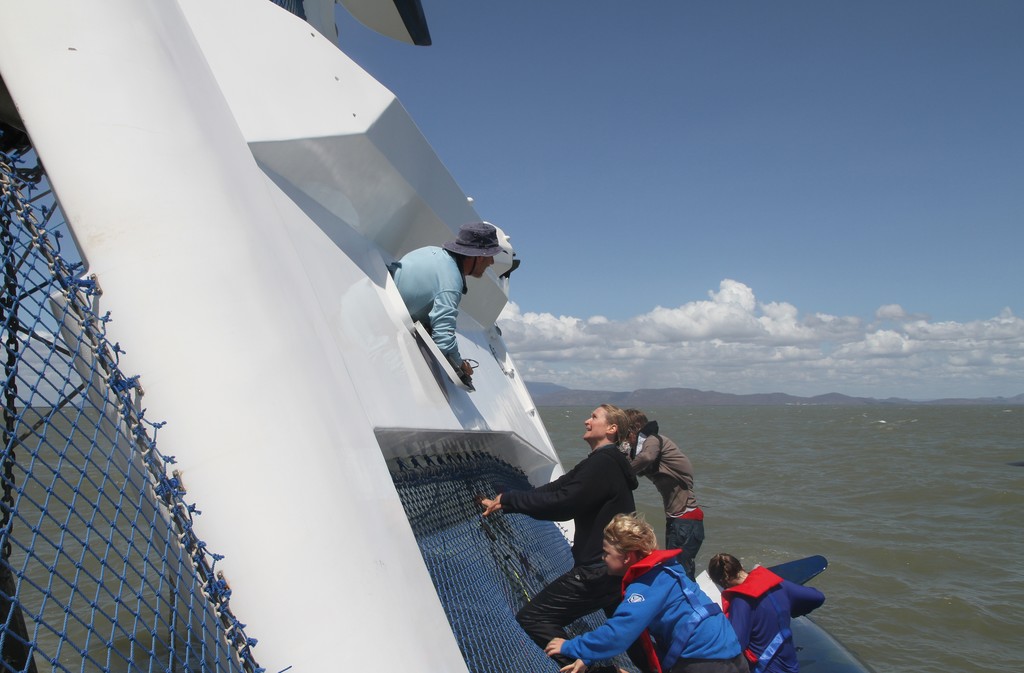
599 487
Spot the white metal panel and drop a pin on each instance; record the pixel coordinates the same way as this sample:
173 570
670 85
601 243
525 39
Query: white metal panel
202 275
318 120
369 167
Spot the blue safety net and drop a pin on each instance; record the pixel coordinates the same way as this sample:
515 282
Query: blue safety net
293 6
100 569
485 569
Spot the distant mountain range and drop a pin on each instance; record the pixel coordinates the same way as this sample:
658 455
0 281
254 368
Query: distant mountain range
552 395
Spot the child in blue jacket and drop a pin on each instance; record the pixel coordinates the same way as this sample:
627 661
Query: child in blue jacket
681 628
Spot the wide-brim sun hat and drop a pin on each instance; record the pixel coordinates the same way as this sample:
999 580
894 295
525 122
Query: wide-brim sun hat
478 239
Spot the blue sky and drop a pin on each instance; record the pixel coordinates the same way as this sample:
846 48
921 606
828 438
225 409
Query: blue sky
802 197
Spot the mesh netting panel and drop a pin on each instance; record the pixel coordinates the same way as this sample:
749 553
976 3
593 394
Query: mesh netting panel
100 569
293 6
484 570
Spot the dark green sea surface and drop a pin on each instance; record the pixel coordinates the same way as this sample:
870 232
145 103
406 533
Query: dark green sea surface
919 510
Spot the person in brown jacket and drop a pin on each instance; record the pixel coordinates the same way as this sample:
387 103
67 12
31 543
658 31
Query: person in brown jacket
658 458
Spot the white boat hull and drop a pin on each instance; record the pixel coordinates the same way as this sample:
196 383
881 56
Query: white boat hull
237 185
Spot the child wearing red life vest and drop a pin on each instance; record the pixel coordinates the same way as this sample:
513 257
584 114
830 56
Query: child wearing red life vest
684 631
760 605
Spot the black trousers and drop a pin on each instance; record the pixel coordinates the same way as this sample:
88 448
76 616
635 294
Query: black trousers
577 593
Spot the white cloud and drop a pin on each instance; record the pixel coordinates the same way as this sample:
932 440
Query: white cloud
890 312
733 343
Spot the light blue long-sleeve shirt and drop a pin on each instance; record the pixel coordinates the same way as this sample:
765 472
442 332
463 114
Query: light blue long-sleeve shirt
431 286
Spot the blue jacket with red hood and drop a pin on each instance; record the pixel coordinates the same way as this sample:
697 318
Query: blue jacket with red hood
660 599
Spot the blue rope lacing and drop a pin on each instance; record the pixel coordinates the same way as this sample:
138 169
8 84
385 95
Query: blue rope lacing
94 578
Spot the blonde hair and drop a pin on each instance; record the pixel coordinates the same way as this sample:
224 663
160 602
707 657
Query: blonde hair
617 417
629 532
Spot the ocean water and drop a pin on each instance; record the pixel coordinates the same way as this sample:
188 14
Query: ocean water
919 510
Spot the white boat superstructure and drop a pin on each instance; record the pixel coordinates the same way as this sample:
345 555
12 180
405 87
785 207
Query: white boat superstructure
236 186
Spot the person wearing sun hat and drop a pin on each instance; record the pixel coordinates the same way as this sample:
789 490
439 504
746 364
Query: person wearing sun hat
432 281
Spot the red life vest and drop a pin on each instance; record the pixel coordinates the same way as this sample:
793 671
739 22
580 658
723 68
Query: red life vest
641 567
759 581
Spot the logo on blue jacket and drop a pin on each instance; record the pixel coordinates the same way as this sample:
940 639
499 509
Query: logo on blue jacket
635 598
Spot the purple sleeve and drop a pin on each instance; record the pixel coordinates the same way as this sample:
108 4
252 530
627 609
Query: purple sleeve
802 599
740 616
